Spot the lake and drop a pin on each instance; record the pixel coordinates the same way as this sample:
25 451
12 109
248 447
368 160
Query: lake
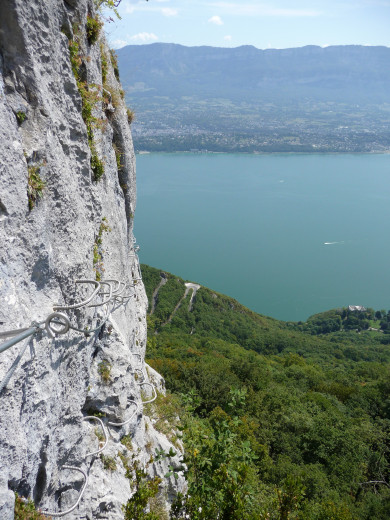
287 235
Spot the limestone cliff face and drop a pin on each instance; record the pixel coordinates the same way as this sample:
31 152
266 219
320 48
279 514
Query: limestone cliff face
69 228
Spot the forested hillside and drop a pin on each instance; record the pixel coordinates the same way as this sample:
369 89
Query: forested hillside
279 420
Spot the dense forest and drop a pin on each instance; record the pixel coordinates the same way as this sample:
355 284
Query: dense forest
279 420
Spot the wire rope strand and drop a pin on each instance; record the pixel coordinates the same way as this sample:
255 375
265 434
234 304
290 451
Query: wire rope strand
105 301
117 291
93 418
129 419
20 337
14 365
154 391
63 513
8 333
84 302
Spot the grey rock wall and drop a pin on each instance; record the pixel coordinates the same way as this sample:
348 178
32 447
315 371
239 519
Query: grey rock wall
44 250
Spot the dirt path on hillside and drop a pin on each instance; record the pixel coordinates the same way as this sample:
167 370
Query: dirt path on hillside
189 286
194 287
163 281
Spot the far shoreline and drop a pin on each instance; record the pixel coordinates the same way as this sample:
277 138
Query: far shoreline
210 152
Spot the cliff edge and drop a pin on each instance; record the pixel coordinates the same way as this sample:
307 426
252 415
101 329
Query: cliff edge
76 385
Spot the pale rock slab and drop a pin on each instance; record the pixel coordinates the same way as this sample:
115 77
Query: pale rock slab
44 251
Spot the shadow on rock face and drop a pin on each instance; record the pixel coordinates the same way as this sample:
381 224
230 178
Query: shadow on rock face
40 272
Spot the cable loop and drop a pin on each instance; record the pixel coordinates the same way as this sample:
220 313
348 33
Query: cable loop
57 318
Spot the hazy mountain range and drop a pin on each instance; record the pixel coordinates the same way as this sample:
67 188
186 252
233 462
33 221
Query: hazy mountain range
347 73
206 90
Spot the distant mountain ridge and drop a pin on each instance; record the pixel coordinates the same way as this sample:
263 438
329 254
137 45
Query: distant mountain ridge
244 99
350 72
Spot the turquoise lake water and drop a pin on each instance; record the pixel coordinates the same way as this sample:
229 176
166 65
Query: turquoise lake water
286 235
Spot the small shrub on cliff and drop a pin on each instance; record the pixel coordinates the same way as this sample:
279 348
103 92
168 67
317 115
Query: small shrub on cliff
104 369
108 4
25 510
75 58
104 63
99 435
118 155
20 116
166 410
35 185
90 97
92 28
97 167
130 115
126 441
109 463
98 266
115 96
114 63
146 490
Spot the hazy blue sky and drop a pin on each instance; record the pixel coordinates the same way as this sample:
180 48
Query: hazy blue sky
268 24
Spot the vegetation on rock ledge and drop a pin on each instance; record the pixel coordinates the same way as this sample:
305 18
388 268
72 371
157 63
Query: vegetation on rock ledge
90 97
145 489
92 29
97 252
35 185
25 510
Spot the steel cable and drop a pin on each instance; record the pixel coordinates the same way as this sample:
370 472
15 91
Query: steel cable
63 513
129 419
93 418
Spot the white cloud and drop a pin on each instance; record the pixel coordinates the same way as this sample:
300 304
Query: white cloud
129 6
118 44
380 3
140 5
249 9
143 37
168 11
216 20
228 38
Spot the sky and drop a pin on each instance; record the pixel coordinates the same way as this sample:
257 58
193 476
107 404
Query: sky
265 24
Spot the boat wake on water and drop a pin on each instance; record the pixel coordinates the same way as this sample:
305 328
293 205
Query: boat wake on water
333 243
